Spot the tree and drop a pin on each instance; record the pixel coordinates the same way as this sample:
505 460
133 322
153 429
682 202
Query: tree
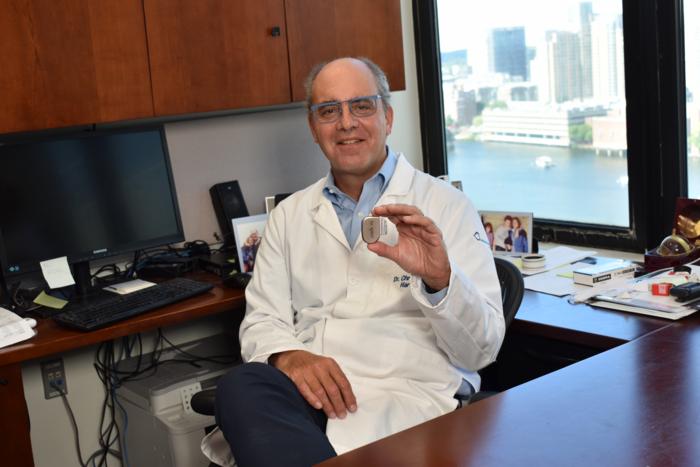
581 133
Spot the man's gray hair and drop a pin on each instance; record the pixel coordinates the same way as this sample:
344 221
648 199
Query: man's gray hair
379 78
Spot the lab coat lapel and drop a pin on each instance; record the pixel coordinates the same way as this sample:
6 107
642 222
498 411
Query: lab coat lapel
326 218
400 182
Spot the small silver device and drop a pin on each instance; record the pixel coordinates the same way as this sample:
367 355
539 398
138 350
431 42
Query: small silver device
373 227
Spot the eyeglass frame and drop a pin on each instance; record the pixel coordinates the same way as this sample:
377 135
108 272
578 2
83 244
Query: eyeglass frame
313 108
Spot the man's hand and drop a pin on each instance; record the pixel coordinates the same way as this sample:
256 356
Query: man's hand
420 249
319 380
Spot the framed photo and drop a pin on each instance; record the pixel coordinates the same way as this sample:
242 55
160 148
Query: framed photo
248 232
508 233
269 204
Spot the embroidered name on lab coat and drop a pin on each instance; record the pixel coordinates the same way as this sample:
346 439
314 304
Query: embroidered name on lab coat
403 280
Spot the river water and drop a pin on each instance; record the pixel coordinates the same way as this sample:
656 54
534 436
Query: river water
580 185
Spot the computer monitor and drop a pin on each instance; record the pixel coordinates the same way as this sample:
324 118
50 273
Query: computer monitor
85 196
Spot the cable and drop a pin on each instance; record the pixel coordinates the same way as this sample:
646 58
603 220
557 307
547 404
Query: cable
214 359
107 359
76 434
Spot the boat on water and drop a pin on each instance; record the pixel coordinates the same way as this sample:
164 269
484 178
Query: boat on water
544 162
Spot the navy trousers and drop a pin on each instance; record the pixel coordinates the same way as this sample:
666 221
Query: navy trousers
267 422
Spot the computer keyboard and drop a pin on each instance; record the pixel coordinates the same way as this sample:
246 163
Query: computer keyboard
107 309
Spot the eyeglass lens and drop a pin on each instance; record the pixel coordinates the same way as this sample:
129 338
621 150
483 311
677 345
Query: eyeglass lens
359 107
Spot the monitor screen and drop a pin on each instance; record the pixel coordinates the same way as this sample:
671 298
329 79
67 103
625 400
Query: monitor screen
85 197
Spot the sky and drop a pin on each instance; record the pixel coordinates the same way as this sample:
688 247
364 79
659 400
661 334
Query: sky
464 22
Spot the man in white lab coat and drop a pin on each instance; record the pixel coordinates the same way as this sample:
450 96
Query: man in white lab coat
348 342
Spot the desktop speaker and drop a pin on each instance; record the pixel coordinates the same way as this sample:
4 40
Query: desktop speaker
228 204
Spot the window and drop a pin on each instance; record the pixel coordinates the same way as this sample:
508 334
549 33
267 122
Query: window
534 106
572 109
691 15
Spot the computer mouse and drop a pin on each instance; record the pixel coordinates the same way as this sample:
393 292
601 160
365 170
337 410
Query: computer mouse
238 280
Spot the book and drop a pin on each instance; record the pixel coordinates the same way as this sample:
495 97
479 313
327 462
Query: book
597 273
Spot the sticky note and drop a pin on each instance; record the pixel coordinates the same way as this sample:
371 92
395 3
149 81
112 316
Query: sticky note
48 301
57 272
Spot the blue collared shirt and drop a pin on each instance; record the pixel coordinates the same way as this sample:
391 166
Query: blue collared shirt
350 213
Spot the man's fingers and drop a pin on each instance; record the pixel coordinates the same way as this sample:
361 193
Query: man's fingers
345 388
396 210
319 380
334 396
428 235
384 250
321 394
309 395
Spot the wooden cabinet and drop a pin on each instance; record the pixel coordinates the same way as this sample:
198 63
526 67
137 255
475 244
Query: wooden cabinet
217 54
72 62
81 62
319 30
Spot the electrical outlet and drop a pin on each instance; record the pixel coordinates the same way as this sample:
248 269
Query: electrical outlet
186 394
54 378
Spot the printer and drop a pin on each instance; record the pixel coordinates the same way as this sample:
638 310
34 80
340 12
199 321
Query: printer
160 428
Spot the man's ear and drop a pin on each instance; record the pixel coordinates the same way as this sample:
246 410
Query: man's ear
389 114
310 120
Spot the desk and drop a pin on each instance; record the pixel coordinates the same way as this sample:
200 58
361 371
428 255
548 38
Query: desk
15 443
636 404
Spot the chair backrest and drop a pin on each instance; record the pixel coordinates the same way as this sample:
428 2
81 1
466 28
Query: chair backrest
512 287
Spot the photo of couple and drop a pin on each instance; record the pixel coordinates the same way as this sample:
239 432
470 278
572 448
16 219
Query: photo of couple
512 233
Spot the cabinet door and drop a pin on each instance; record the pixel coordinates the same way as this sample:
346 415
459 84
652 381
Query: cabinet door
216 54
72 62
320 30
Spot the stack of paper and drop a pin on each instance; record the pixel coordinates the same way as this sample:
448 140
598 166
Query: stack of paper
13 329
635 296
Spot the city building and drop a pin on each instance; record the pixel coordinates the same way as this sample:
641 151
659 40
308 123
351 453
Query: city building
531 123
507 53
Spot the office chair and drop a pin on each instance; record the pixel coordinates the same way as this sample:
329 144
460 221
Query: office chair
512 290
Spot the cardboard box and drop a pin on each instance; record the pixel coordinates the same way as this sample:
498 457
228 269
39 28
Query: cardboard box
594 275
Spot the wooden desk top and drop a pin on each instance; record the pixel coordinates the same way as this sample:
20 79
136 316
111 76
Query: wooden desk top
637 404
52 338
554 317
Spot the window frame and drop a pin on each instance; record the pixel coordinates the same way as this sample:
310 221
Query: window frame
657 147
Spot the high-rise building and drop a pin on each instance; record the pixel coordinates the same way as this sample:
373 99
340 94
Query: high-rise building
608 63
586 16
564 66
455 63
507 52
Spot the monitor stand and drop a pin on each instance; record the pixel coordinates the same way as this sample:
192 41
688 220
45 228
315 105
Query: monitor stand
83 279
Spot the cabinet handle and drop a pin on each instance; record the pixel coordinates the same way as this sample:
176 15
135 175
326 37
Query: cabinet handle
276 31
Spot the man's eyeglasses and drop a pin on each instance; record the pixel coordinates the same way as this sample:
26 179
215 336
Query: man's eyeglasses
330 112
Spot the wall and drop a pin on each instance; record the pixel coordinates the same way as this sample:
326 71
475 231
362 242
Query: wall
268 152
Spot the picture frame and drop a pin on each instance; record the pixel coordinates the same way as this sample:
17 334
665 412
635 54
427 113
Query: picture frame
508 232
248 232
269 204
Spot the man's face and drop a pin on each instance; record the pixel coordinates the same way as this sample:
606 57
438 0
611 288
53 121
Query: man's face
353 145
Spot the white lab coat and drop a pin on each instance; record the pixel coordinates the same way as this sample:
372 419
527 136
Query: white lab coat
404 358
